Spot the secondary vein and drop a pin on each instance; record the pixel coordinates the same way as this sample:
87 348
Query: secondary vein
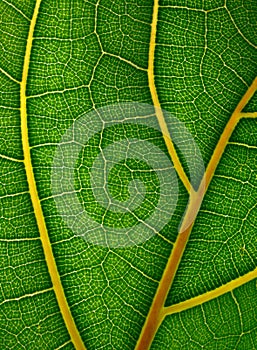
50 260
159 113
203 298
192 212
229 128
156 312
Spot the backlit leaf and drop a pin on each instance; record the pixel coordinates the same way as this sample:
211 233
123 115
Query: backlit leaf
128 182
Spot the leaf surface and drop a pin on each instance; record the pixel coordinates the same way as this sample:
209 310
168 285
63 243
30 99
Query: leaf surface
191 285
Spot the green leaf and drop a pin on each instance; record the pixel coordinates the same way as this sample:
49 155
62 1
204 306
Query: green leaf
170 261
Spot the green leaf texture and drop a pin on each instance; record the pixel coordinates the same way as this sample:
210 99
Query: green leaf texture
63 59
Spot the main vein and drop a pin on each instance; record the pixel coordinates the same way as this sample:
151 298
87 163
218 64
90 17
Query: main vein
157 310
57 285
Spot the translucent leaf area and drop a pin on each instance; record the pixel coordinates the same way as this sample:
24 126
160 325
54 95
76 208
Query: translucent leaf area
128 174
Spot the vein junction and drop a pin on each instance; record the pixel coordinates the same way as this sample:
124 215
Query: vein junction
157 310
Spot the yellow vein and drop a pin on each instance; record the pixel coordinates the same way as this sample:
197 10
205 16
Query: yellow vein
248 115
57 285
155 315
229 128
156 102
200 299
196 198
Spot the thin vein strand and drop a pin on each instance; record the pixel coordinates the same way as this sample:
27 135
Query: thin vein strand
16 160
9 76
30 295
18 10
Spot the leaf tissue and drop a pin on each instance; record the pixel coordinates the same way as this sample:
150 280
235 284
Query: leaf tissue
128 160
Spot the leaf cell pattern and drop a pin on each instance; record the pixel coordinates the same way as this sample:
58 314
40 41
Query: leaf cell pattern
192 285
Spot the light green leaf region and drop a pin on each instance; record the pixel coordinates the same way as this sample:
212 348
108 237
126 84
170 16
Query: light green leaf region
89 54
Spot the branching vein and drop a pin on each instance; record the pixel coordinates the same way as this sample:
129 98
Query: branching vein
157 310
